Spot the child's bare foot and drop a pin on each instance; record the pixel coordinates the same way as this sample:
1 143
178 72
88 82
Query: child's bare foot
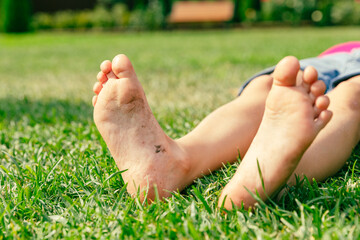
293 117
133 136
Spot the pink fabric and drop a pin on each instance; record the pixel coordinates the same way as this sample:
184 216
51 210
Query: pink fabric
342 47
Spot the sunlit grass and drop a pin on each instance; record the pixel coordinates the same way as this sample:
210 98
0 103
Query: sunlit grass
58 180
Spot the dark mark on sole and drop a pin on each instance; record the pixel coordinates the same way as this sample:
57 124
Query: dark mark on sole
158 149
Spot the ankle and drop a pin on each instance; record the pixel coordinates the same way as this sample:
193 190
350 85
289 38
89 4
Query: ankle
181 156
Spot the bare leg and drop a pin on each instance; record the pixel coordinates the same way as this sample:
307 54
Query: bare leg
227 131
293 117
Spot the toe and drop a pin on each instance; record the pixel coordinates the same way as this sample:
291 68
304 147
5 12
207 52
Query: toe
105 66
310 75
286 72
97 88
94 99
122 66
323 115
321 104
323 119
101 77
317 89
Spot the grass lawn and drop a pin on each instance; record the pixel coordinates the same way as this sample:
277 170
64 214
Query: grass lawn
58 180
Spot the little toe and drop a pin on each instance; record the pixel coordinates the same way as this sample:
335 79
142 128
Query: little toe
94 99
122 67
286 72
97 88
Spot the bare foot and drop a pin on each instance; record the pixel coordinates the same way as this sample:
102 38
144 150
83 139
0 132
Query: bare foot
293 117
133 136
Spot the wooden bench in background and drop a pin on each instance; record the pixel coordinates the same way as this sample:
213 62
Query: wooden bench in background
199 12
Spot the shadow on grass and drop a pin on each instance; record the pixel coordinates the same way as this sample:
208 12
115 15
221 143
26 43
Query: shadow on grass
47 111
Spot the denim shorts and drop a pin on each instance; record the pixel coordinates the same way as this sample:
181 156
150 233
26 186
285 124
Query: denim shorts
332 68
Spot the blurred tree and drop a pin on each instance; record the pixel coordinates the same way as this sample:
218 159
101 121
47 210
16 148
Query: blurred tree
166 7
242 8
131 4
60 5
138 4
16 15
256 4
1 19
325 6
237 11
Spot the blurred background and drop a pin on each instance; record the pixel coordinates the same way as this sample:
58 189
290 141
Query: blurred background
34 15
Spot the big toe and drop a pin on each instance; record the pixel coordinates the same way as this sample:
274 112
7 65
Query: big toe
122 67
286 71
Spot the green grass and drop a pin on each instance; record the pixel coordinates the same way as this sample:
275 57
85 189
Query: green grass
58 180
